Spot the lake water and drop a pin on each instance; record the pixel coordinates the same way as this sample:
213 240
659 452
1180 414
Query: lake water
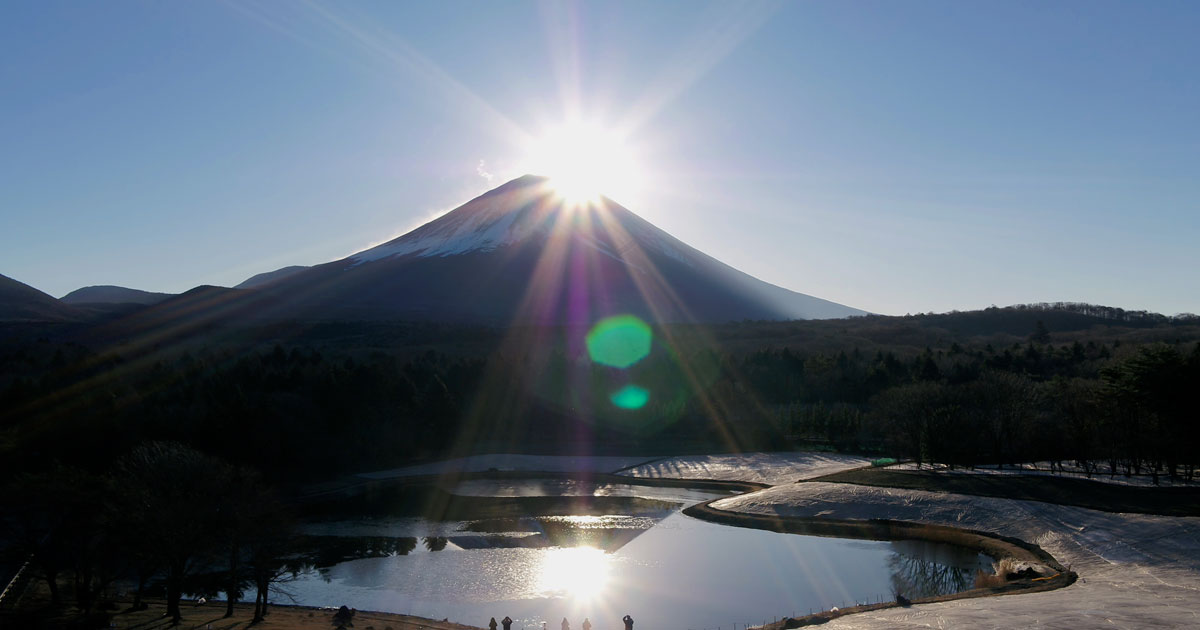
663 568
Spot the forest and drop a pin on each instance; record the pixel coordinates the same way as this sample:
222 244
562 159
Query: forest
165 517
229 426
1051 382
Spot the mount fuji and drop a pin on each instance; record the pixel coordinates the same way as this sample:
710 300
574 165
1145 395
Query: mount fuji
519 254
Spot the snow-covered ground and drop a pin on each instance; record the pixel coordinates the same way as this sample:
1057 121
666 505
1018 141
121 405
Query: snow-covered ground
769 468
1136 570
506 461
1043 468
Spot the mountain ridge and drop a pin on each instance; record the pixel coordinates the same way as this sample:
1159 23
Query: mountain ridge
267 277
112 294
515 255
21 302
504 244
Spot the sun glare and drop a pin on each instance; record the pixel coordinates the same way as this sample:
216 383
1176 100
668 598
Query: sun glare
579 572
585 161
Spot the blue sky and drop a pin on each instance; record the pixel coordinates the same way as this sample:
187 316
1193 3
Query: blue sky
893 156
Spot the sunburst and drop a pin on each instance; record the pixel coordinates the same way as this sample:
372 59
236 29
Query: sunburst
585 161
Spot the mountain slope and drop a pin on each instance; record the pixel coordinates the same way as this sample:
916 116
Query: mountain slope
265 278
21 302
109 294
518 254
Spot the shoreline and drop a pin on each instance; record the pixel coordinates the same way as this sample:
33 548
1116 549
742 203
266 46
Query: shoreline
993 545
354 487
212 615
1134 570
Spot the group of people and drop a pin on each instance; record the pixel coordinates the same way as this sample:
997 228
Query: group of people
566 625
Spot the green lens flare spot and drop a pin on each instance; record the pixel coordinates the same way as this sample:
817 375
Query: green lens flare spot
630 397
619 341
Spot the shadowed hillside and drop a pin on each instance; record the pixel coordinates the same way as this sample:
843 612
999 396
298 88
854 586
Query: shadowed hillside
317 399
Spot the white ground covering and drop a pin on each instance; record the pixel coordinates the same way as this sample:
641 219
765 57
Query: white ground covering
770 468
1136 571
1043 468
505 461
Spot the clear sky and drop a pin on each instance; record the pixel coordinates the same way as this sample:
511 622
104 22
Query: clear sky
892 156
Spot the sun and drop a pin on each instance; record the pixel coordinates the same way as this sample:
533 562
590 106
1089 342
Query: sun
584 161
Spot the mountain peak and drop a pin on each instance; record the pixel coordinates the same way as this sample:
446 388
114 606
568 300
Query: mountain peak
528 179
521 253
484 223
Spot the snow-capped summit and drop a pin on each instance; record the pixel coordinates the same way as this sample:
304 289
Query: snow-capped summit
520 254
522 209
494 219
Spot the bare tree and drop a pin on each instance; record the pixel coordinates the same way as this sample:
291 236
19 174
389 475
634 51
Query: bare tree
175 496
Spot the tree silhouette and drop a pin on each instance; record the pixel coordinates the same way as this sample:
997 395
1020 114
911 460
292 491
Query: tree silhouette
176 495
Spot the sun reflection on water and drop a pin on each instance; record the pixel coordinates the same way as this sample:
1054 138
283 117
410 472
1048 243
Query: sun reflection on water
580 573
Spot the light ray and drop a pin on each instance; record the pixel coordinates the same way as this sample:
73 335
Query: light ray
560 24
726 26
390 48
498 395
271 16
653 284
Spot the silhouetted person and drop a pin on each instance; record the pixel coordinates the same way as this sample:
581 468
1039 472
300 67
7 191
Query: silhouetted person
628 622
587 625
507 621
492 624
565 624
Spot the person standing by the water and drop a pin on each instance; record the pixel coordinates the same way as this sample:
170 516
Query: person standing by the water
628 622
507 621
566 625
587 625
492 624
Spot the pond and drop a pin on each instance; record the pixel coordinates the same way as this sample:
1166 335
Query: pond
665 569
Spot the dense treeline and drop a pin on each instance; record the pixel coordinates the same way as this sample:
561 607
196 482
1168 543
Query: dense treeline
162 516
1073 385
1135 411
283 412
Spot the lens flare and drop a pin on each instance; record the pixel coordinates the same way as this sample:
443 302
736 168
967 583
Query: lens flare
619 341
630 397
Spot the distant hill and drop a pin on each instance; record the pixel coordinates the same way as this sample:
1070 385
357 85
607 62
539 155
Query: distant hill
21 302
1023 319
191 314
109 294
268 277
